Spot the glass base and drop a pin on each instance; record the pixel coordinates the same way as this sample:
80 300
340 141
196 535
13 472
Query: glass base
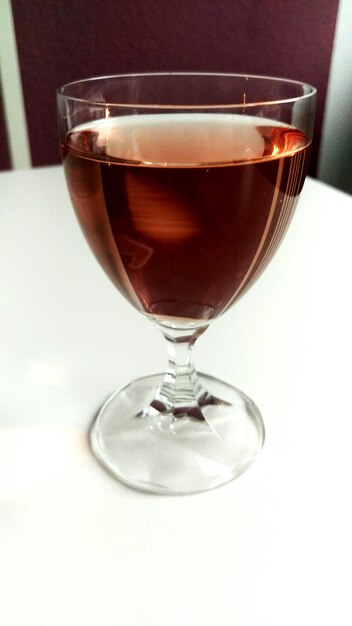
157 452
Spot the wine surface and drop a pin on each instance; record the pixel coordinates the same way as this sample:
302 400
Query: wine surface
184 211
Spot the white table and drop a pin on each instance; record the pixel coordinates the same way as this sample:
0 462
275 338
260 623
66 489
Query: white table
77 548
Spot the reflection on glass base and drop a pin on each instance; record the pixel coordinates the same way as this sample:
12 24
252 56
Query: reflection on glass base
157 452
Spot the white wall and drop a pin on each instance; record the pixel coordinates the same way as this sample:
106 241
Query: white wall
11 88
335 162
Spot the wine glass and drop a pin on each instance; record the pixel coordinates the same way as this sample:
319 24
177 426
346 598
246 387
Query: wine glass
184 185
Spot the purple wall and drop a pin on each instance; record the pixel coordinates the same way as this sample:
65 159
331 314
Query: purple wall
72 39
5 162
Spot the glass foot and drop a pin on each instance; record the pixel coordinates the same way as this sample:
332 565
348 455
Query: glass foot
156 451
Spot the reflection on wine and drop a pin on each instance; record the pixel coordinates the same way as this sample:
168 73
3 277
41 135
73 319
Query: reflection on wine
183 225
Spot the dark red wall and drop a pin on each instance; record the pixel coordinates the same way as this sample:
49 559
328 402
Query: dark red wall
59 41
5 163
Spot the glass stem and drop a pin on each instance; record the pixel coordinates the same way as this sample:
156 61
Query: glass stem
181 392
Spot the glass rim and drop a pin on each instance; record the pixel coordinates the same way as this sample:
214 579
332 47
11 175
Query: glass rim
310 91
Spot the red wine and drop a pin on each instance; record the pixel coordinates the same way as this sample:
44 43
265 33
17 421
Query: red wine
184 211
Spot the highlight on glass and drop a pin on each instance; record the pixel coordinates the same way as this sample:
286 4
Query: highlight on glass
184 185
